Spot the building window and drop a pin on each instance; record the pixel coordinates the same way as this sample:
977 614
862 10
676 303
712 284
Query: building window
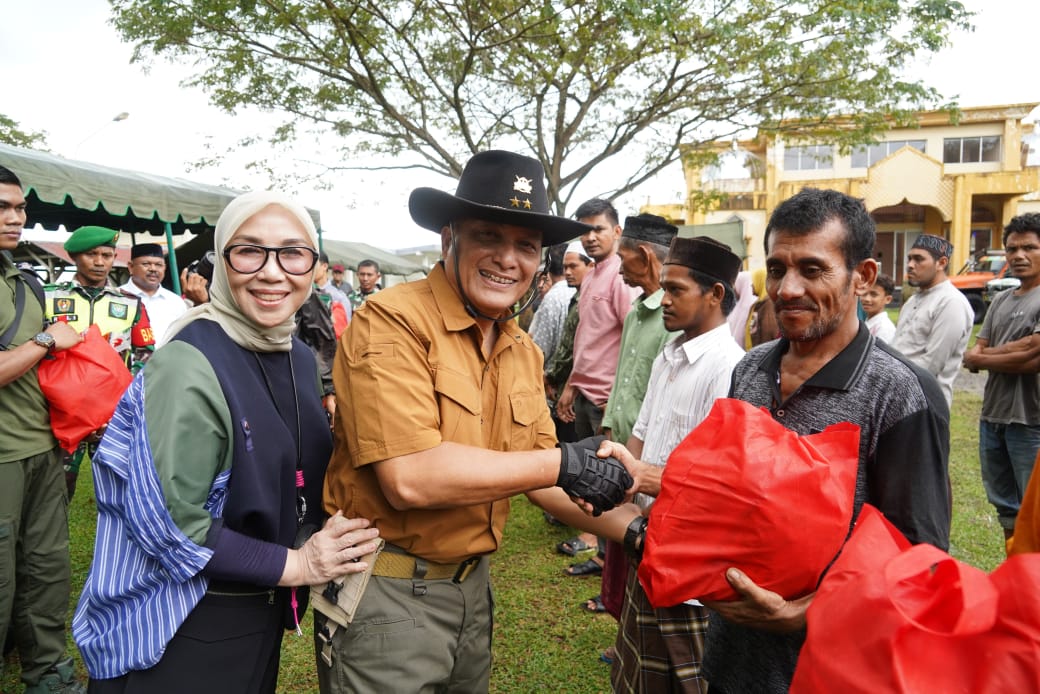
971 150
804 157
867 155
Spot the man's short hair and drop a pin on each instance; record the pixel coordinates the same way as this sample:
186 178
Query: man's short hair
323 257
1023 224
596 207
369 263
811 208
706 282
7 177
886 284
555 265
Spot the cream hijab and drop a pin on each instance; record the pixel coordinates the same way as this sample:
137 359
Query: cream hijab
222 308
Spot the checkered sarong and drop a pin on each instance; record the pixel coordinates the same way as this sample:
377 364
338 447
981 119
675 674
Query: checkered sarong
658 650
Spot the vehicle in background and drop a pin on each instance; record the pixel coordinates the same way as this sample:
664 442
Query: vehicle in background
994 287
974 276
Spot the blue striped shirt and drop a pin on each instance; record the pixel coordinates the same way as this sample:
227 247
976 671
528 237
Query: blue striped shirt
145 578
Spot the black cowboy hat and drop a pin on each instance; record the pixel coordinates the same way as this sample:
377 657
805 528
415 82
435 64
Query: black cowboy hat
500 187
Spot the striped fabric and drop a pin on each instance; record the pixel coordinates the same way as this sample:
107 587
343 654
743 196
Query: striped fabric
144 579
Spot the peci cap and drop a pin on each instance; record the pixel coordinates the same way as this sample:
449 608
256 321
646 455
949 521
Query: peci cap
649 228
151 250
707 256
936 245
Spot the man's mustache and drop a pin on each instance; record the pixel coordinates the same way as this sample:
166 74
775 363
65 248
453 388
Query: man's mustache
781 305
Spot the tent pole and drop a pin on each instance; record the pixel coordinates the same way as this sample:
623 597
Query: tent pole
175 273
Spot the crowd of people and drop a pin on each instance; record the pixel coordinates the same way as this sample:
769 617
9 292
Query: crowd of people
363 444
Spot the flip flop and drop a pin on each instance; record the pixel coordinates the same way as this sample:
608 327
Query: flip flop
594 605
608 655
584 568
574 546
551 520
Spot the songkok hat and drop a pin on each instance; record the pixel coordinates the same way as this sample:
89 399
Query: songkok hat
86 238
576 247
649 228
936 245
705 255
500 187
338 267
152 250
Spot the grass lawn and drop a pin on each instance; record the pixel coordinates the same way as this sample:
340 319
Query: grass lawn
543 641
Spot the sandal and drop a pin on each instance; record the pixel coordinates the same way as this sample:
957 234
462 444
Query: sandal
588 567
608 655
574 546
552 520
594 605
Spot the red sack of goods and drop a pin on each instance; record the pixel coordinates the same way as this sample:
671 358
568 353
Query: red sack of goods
892 618
743 490
82 386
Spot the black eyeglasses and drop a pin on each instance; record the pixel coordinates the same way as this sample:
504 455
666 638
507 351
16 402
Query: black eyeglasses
247 258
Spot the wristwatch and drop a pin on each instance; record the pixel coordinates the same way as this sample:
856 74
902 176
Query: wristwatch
635 537
44 340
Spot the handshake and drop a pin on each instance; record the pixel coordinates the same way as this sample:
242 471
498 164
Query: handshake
602 482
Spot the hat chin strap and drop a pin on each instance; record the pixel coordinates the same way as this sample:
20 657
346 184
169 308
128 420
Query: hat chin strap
470 308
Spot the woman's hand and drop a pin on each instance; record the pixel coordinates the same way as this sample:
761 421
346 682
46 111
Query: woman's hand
332 552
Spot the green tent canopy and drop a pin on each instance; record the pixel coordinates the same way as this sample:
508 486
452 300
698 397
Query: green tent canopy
729 233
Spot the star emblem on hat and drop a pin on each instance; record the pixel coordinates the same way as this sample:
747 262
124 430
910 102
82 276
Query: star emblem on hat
514 202
522 185
527 204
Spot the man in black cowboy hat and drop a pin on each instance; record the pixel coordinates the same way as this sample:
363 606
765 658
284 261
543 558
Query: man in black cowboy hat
441 418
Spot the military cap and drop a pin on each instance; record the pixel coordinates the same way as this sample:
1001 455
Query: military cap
707 256
86 238
649 228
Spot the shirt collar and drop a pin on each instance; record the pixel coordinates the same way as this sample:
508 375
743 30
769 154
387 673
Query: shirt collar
694 349
840 373
652 302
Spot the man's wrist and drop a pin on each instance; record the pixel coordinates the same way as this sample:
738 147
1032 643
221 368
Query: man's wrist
635 537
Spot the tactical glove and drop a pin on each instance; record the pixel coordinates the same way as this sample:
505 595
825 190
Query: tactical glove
600 481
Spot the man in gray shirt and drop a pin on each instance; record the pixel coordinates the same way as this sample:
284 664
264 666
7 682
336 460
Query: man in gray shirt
1009 348
935 323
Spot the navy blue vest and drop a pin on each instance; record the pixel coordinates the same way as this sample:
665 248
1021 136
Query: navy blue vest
262 491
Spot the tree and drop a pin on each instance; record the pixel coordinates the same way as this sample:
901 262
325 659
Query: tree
426 83
11 133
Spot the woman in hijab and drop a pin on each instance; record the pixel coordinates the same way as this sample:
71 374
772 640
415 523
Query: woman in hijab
210 474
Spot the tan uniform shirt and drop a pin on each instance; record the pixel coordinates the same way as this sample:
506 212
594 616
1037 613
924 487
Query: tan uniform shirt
409 374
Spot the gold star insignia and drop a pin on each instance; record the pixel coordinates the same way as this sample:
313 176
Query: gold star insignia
514 202
527 204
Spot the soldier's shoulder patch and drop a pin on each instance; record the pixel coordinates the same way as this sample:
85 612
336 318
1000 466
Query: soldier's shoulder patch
118 310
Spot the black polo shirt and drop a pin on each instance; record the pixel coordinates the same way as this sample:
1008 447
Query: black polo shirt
904 452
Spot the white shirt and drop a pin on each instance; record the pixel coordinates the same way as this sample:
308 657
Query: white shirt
163 308
686 379
881 326
933 330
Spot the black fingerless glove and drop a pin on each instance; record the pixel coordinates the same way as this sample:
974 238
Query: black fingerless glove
600 481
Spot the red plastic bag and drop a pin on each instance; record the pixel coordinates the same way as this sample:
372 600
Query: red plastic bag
82 386
888 618
743 490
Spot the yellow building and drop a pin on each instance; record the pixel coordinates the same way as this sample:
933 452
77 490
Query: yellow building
961 180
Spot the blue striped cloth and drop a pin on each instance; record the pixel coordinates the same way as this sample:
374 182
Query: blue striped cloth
144 579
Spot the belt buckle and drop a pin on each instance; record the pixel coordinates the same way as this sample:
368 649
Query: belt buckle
465 569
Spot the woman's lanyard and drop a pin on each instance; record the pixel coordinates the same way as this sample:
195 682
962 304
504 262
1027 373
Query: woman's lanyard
301 501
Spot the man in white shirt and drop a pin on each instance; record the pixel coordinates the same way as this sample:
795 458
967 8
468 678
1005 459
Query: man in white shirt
660 650
935 323
147 268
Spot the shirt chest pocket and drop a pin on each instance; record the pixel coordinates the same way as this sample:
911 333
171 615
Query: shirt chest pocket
526 409
458 399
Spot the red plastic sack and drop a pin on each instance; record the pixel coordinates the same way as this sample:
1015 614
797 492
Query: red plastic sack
743 490
82 386
893 619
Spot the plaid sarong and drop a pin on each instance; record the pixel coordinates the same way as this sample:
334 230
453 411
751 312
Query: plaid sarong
658 650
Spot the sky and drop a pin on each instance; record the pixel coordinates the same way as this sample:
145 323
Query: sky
67 73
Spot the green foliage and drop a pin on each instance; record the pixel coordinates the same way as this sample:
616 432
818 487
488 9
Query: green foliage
11 133
424 83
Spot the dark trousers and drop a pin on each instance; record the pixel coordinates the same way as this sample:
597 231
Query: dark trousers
229 644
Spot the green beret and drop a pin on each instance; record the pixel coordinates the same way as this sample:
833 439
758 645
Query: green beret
86 238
